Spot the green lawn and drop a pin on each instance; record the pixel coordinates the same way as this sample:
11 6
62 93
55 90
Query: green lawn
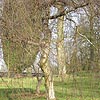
81 86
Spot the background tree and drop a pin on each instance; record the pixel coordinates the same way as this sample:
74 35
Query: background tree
3 67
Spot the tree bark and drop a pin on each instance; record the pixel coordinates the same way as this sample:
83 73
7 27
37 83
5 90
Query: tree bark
39 79
37 71
44 64
44 61
61 51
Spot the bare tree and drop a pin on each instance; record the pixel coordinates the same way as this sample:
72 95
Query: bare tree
26 20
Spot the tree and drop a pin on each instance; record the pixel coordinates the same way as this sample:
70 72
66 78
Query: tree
23 28
3 67
60 45
24 23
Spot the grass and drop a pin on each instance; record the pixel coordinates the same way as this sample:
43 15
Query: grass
81 86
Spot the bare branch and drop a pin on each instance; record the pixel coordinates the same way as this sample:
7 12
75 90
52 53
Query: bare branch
86 39
64 12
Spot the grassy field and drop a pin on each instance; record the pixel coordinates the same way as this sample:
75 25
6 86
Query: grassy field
81 86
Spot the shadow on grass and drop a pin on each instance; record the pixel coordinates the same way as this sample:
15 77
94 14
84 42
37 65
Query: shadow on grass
20 94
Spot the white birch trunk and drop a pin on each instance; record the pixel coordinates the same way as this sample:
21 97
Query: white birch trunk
3 67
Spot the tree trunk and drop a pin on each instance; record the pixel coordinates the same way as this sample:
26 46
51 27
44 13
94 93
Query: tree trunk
44 64
3 67
61 51
44 61
37 70
92 36
39 79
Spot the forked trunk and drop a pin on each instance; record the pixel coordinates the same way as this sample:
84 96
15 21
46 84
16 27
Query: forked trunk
44 63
